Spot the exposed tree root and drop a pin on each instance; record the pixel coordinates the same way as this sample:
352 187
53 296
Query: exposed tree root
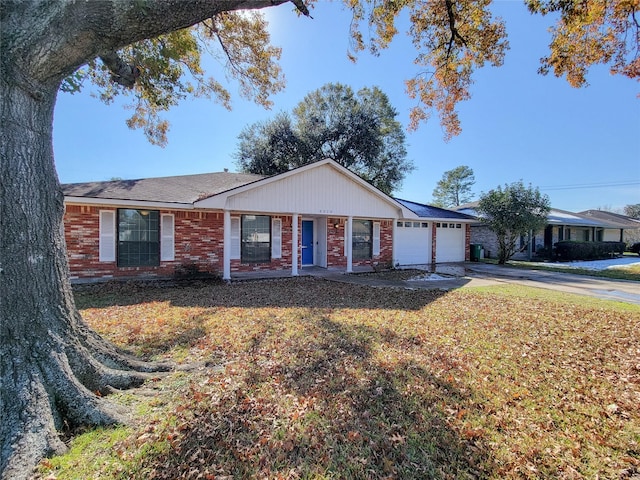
47 392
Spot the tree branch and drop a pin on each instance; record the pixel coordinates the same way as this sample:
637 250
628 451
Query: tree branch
122 73
86 30
301 7
452 27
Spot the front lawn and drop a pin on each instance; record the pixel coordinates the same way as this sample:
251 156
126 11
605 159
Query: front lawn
305 378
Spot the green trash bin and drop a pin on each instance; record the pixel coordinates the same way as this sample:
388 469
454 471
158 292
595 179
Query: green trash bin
476 250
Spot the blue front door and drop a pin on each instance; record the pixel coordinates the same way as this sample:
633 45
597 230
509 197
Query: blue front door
307 242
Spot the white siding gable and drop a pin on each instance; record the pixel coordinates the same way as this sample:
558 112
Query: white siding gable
322 190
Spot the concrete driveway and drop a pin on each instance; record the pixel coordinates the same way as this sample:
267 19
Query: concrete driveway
473 274
620 290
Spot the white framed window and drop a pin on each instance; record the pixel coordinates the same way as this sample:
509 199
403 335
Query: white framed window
255 234
107 241
167 238
138 237
362 239
276 238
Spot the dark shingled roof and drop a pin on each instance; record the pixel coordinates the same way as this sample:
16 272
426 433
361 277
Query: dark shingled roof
179 189
428 211
612 219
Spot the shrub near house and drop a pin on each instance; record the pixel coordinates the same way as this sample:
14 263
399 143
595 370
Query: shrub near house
571 250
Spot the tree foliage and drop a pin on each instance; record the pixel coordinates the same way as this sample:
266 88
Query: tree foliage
452 40
169 69
359 131
591 32
454 188
511 212
632 210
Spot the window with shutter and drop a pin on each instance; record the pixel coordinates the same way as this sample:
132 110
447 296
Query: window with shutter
167 242
376 238
107 242
235 238
276 238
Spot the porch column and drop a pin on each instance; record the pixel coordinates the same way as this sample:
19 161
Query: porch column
226 255
348 242
294 245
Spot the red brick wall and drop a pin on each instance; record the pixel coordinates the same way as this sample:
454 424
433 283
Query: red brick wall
335 244
283 263
199 241
386 244
467 243
198 237
199 245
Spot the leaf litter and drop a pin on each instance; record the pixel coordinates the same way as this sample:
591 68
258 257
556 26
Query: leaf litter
305 378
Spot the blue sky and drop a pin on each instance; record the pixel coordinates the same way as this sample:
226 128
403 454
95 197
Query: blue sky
579 146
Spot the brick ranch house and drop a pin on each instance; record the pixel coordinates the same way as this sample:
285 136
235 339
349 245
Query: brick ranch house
223 223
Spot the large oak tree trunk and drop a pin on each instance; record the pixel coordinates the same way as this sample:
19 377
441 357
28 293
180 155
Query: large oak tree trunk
50 362
53 369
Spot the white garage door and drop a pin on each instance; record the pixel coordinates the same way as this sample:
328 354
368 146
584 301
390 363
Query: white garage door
449 242
413 245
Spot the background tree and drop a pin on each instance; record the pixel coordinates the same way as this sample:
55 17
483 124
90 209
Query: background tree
271 147
454 188
51 364
513 211
632 210
359 131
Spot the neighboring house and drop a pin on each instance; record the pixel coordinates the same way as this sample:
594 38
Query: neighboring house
621 228
222 223
561 225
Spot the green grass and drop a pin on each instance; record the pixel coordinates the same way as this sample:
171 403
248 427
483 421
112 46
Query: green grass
319 380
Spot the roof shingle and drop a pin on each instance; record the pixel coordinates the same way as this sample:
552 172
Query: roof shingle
429 211
179 189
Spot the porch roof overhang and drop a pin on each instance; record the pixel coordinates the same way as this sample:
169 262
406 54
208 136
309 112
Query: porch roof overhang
116 202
